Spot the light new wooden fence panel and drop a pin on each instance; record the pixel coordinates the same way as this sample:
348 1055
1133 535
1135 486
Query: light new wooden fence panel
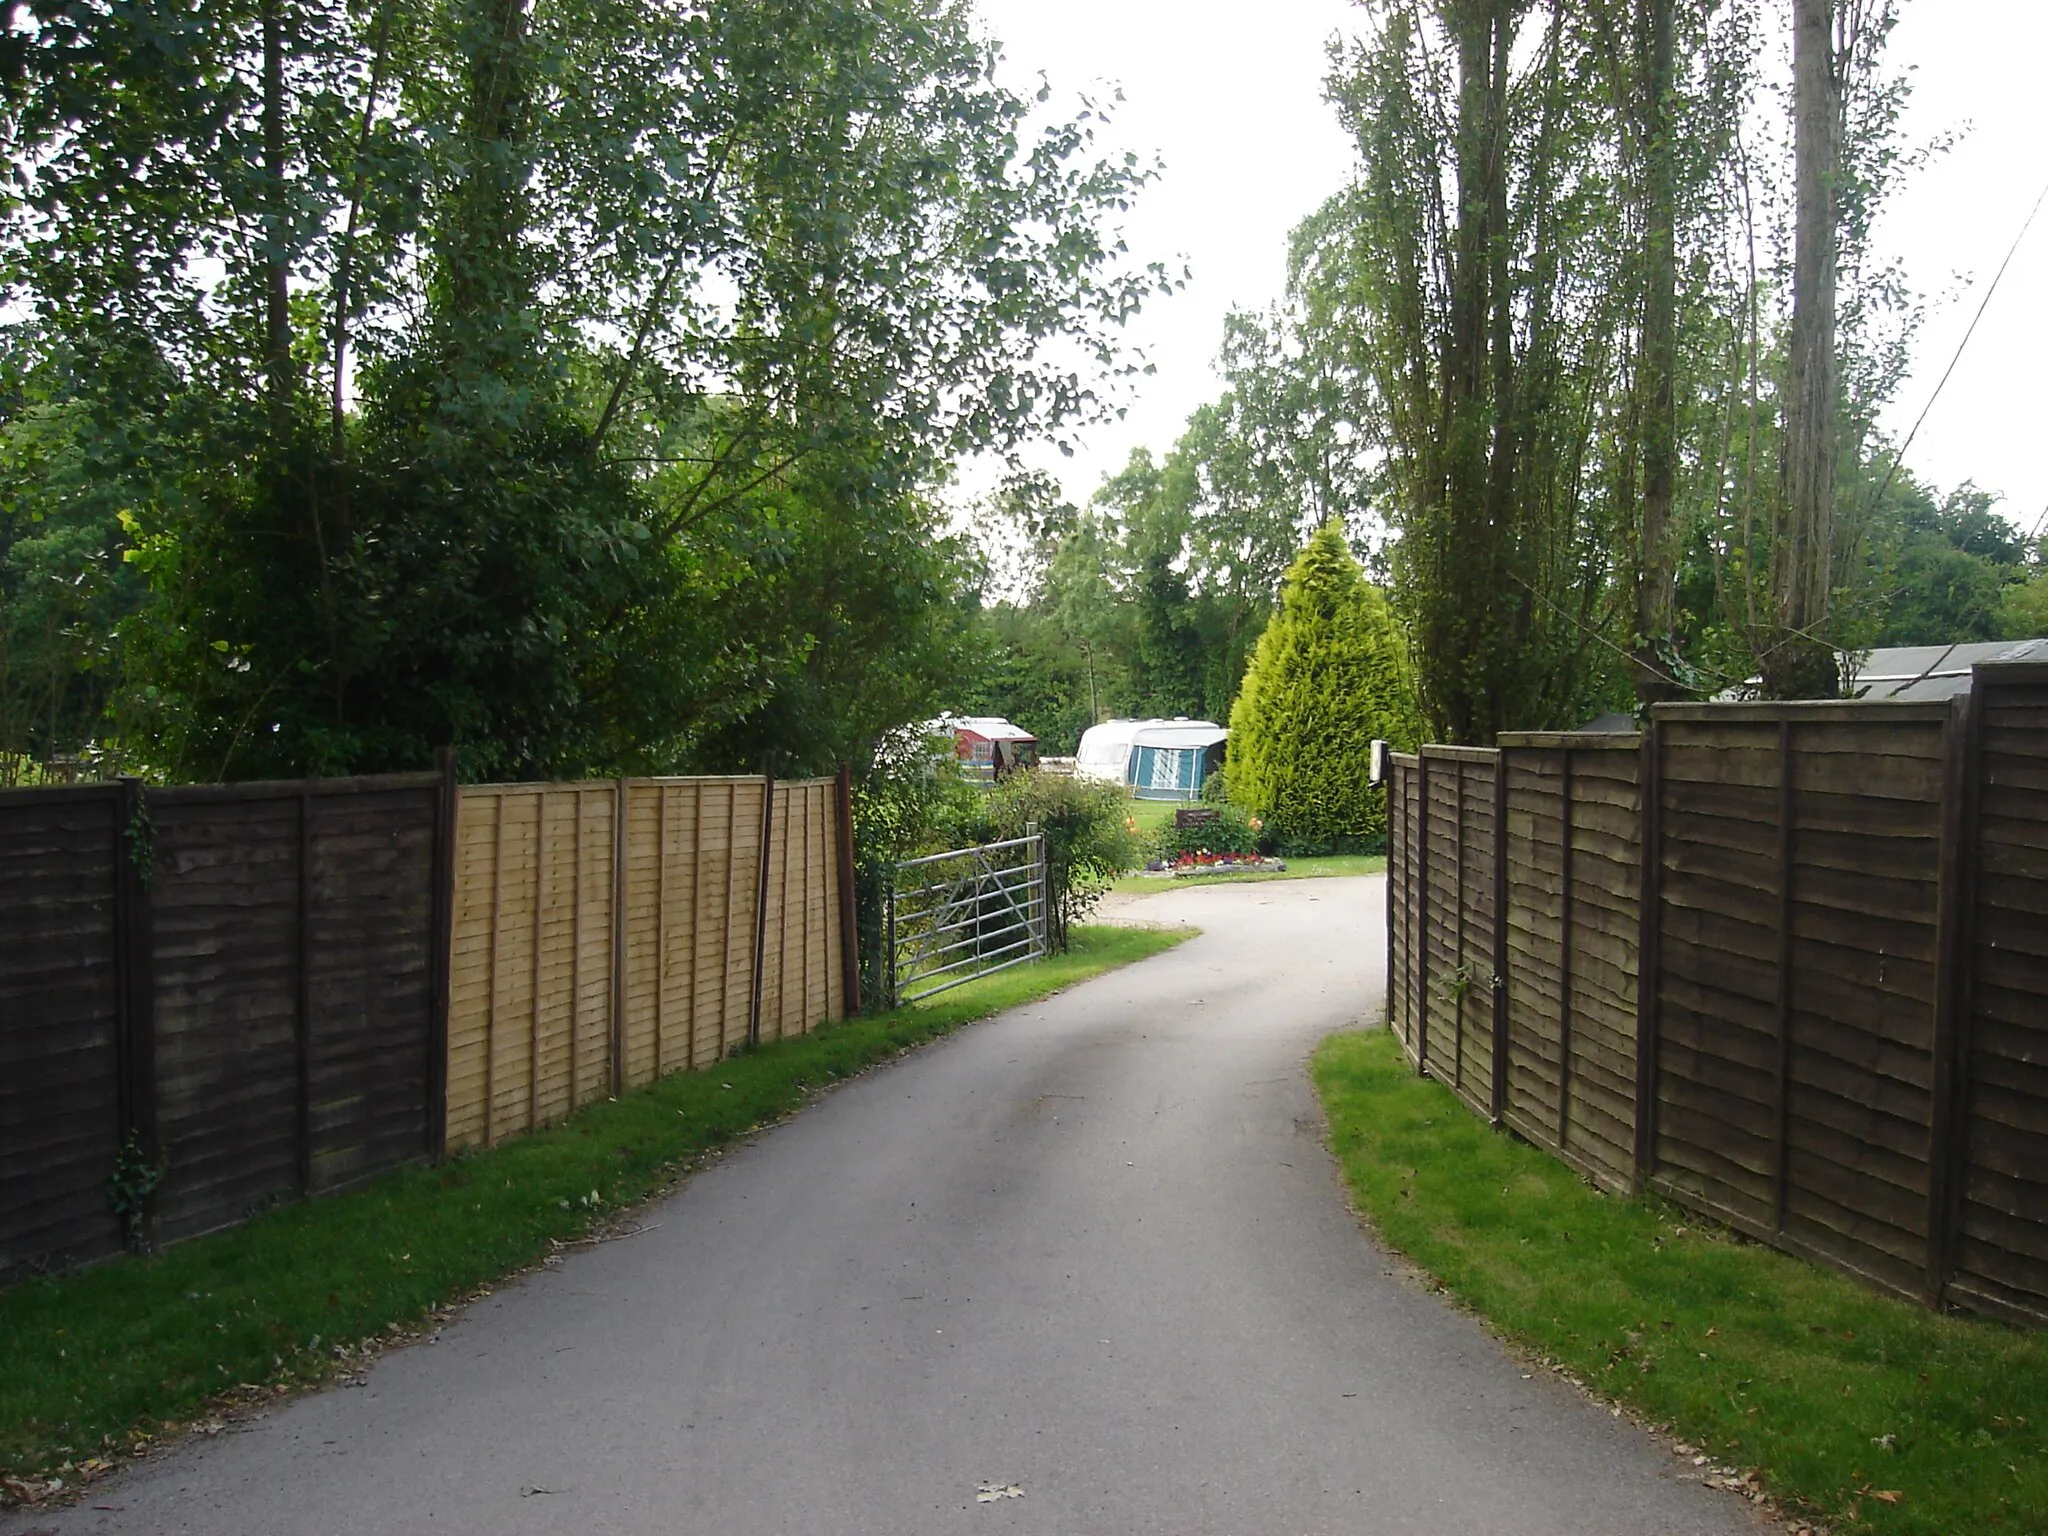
744 884
531 1030
719 926
796 960
678 826
529 1039
832 935
643 895
470 964
820 892
779 915
688 951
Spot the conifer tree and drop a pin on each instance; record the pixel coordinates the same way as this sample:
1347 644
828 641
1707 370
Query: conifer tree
1327 678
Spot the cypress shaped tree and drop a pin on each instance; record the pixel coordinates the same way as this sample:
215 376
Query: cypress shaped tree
1328 676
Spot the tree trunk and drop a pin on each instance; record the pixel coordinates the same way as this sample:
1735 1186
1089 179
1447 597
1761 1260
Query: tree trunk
1797 660
1467 417
1659 418
489 287
277 316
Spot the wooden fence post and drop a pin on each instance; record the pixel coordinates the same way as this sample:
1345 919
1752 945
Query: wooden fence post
539 971
135 990
1418 938
1649 894
621 813
849 899
1954 909
1564 954
302 1000
1499 1099
447 810
1459 972
1781 1172
761 900
1396 852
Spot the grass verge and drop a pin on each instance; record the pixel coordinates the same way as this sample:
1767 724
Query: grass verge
1297 869
100 1363
1872 1414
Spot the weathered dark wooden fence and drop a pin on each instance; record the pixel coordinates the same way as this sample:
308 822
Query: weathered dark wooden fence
1573 875
247 980
1809 941
1446 809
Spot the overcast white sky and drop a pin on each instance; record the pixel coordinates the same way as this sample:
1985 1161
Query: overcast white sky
1230 96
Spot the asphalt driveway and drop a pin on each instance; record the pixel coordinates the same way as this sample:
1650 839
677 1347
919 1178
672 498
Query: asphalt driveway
1083 1268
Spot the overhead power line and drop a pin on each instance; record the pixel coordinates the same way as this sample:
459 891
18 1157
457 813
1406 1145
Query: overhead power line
1983 304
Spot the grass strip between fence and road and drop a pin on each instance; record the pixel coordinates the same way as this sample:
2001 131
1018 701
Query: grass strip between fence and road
101 1364
1866 1413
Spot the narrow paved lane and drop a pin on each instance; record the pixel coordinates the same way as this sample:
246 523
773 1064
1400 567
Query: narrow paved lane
1093 1250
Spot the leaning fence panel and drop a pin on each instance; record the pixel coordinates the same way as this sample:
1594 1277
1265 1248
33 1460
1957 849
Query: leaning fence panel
966 913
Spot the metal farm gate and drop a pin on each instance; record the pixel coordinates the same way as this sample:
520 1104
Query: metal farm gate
966 913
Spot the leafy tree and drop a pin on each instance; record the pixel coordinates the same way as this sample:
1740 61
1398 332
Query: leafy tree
1328 678
2023 607
494 372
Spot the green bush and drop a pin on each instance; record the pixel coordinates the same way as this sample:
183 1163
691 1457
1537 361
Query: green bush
1328 676
1230 832
1090 838
909 800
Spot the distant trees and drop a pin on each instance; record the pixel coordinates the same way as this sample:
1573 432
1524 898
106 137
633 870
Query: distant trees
1956 570
1329 676
1145 602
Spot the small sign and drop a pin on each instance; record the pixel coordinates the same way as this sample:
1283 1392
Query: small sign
1193 816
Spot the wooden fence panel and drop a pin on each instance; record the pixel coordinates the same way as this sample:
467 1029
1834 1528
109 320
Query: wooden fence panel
1573 878
1456 949
1404 890
1839 1041
292 964
2000 1242
801 953
1718 889
594 952
61 853
225 899
1797 997
371 963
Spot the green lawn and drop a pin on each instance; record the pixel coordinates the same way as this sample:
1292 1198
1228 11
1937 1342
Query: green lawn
1151 815
1873 1414
1297 869
97 1362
